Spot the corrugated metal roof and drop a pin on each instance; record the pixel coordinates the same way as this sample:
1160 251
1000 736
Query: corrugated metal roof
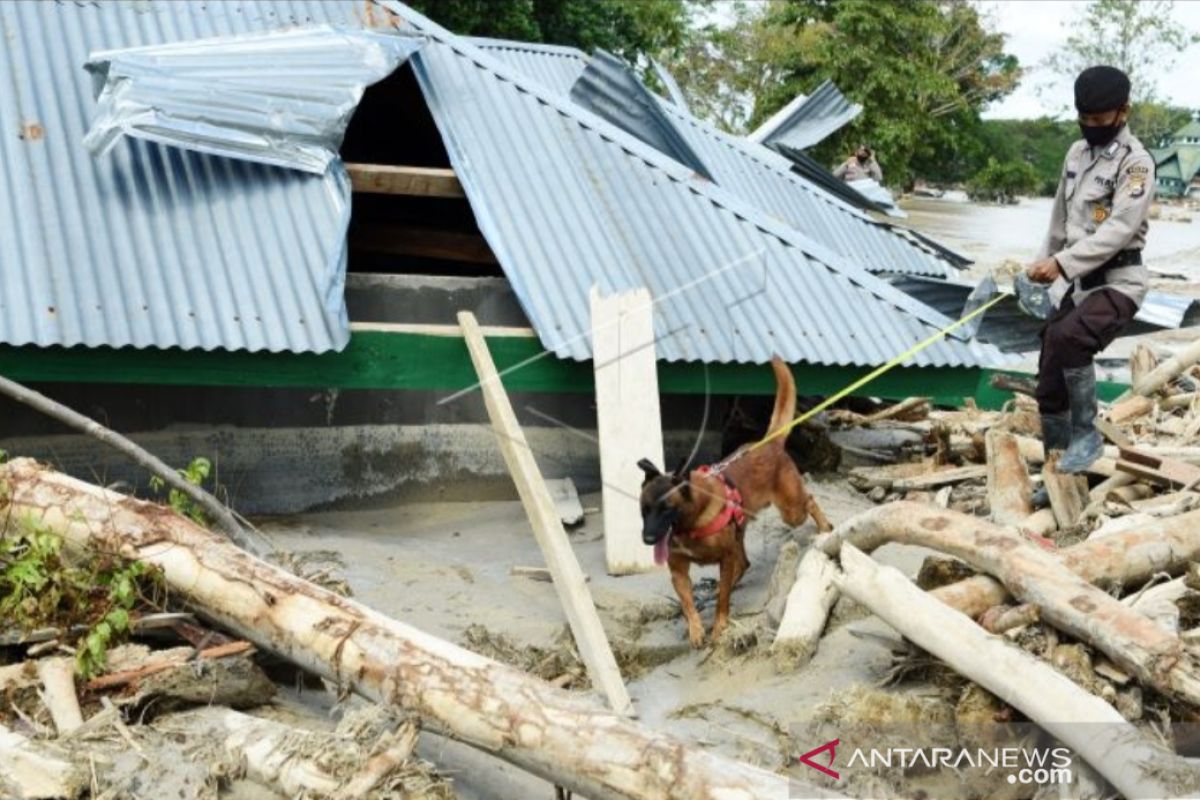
1014 331
285 97
567 201
155 246
759 176
609 89
808 119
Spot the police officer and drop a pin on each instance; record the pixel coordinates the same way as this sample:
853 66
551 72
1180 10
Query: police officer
860 165
1092 256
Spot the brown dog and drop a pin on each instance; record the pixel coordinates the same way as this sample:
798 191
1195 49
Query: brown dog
700 518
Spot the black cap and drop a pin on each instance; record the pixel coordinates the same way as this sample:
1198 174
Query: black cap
1099 89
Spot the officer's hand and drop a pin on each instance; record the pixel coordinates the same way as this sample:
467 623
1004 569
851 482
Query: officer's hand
1044 271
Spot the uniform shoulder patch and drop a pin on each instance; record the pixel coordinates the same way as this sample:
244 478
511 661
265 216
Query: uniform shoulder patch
1138 169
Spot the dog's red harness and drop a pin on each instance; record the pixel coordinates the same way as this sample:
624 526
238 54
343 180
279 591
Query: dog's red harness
732 510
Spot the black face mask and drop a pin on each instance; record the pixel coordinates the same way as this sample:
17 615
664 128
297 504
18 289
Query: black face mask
862 159
1099 135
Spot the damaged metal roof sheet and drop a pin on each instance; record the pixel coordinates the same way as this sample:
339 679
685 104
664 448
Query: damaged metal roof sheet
760 176
1013 331
609 89
285 96
566 201
155 246
808 119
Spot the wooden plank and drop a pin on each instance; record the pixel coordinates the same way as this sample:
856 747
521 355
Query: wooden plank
1159 469
569 580
403 240
940 478
628 420
1129 410
391 179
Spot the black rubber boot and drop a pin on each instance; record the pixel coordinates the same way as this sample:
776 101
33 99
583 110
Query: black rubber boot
1087 444
1056 435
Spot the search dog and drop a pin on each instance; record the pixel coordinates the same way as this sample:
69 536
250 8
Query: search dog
699 516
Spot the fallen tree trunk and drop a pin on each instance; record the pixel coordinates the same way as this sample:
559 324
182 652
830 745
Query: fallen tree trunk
1088 725
567 739
1128 558
1035 576
223 517
808 604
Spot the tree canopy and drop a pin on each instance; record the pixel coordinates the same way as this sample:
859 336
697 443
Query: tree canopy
629 28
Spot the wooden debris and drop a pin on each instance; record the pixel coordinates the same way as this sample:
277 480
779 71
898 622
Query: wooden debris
394 752
1161 375
808 604
31 770
940 477
1158 468
1009 492
910 409
1082 721
562 737
547 528
1033 575
58 689
160 662
392 179
1142 362
1068 493
1128 410
1005 618
1014 383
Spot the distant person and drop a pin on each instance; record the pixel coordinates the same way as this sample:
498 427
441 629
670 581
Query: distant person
860 165
1092 257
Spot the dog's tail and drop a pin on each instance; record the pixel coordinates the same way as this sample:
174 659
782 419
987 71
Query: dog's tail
785 399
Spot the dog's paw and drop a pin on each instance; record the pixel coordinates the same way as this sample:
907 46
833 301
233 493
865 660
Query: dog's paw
696 636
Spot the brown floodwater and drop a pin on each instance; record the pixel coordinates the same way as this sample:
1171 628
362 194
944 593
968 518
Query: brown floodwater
993 234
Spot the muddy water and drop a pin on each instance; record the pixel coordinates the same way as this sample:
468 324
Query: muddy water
991 235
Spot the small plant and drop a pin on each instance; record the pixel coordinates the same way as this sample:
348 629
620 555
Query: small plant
196 473
41 588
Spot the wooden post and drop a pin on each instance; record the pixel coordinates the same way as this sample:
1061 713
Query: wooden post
1068 493
628 420
569 580
1009 493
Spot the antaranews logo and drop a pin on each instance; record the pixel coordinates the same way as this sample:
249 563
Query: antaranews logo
1024 765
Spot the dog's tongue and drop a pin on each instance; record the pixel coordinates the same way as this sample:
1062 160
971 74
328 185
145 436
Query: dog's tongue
661 548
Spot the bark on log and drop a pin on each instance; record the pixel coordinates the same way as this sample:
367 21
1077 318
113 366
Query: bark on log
58 684
1091 727
1009 492
223 517
1033 575
1157 378
567 739
1123 559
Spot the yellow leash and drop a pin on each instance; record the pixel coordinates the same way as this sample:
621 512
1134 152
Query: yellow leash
863 381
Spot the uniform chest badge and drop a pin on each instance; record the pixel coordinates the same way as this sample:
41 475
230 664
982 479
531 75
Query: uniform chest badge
1099 214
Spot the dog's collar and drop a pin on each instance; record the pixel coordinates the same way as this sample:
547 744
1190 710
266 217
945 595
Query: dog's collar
731 511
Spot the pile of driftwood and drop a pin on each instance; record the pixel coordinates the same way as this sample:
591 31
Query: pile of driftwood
1110 568
569 739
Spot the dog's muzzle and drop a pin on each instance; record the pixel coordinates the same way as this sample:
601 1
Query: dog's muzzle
658 523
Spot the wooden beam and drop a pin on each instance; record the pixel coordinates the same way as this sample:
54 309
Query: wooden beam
628 420
391 179
1009 492
403 240
569 580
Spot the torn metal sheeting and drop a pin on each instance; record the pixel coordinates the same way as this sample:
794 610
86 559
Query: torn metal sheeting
284 98
609 89
808 119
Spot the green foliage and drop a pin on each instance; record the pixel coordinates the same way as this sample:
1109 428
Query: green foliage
1138 36
195 473
922 71
1002 181
40 588
1153 122
628 28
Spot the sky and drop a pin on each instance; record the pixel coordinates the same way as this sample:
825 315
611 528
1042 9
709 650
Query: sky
1035 28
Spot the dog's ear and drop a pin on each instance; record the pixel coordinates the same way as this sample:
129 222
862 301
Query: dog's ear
647 466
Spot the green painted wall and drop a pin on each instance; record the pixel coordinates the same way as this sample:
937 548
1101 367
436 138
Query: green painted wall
389 360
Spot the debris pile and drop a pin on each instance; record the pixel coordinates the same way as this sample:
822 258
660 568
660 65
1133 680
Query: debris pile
1083 611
